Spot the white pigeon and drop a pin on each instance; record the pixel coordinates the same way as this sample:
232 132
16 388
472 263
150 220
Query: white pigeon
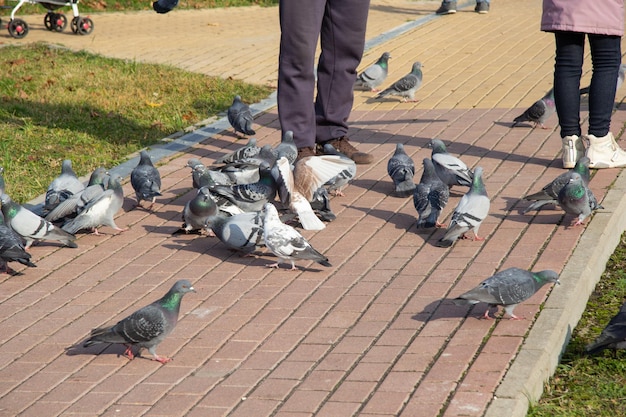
469 213
286 242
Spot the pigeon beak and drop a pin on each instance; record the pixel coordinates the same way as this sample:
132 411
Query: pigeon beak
192 289
558 282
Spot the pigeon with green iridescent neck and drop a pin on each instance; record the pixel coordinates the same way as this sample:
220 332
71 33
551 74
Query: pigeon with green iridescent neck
147 327
240 117
539 112
613 336
197 213
406 86
574 199
374 75
469 213
507 288
401 170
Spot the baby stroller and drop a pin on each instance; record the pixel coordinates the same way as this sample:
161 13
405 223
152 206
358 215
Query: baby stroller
53 21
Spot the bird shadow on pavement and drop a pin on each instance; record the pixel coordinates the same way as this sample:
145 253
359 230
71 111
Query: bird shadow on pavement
399 220
444 309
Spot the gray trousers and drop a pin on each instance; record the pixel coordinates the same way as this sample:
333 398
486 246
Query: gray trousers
340 27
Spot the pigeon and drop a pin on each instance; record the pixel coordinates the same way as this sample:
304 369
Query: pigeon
146 327
286 242
336 184
574 198
101 210
401 169
287 148
198 212
146 180
507 288
240 117
406 86
32 227
299 185
469 213
430 197
62 187
12 249
201 176
375 74
613 336
249 150
539 112
550 192
620 80
74 204
241 232
250 197
449 168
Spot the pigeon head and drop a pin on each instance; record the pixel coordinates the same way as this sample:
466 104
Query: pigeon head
477 184
193 162
437 146
544 277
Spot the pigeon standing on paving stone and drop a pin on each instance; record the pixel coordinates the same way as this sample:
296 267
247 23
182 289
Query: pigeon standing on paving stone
286 242
62 187
70 207
336 184
449 168
241 232
574 198
469 213
430 197
406 86
539 112
250 197
401 169
101 210
613 336
146 327
287 148
375 74
12 249
240 117
197 213
30 226
146 180
507 288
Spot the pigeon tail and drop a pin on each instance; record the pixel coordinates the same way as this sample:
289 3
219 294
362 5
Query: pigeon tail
405 188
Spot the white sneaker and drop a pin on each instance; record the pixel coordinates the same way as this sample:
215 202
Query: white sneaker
604 152
573 150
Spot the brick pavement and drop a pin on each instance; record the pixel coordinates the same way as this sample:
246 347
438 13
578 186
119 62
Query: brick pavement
372 336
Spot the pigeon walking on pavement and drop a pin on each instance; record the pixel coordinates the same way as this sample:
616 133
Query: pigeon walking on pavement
574 198
286 242
430 197
613 336
12 249
507 288
240 232
62 187
240 117
401 169
250 197
469 213
198 212
287 147
539 112
146 180
448 167
70 207
406 86
32 227
374 75
147 327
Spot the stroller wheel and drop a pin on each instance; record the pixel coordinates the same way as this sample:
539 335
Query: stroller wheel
18 28
82 25
55 21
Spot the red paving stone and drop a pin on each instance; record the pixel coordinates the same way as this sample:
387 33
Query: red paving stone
374 335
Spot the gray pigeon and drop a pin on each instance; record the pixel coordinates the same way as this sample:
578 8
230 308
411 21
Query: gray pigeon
146 327
146 180
249 197
241 232
287 148
249 150
201 176
62 187
336 184
549 194
539 112
101 210
620 80
240 117
75 203
406 86
574 198
12 249
507 288
401 169
449 168
286 242
198 212
375 74
30 226
469 213
430 197
613 336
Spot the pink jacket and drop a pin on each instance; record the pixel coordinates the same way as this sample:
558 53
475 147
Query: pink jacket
602 17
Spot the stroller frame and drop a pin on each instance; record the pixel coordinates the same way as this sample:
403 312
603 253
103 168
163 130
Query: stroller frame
53 21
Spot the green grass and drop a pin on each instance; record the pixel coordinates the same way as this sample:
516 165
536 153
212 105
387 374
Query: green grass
57 104
591 386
